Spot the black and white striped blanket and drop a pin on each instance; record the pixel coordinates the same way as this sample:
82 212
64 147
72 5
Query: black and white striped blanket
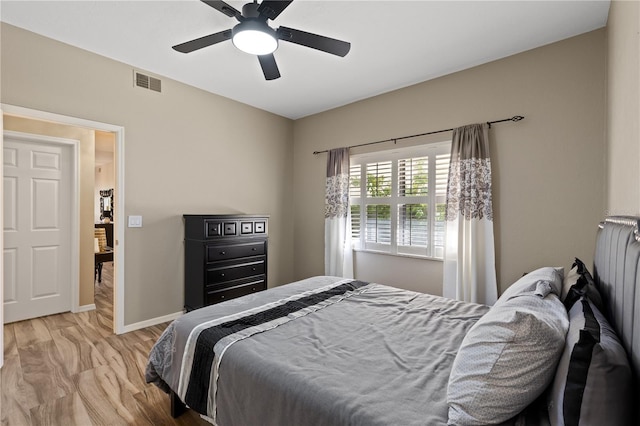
208 342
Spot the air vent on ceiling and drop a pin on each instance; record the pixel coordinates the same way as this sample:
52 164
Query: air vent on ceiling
147 82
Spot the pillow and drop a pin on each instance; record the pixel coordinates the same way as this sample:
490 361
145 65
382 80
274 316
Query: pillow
508 358
579 282
592 385
570 280
529 282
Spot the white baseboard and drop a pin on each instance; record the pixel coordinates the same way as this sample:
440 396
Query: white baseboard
85 308
151 322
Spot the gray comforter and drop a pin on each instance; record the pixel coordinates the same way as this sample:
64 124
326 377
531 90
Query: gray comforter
371 355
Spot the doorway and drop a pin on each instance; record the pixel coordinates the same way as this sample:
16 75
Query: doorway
105 214
84 300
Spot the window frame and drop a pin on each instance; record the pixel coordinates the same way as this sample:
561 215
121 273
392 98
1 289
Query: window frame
432 151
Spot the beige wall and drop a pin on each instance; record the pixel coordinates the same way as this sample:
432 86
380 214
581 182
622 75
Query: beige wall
186 151
548 169
86 183
623 108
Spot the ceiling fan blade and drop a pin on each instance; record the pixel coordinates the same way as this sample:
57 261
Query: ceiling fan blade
271 9
201 42
314 41
269 66
224 8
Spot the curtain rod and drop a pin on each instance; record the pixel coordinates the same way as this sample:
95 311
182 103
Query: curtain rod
394 140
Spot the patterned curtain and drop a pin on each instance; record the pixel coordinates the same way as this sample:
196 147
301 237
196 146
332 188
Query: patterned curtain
469 258
338 260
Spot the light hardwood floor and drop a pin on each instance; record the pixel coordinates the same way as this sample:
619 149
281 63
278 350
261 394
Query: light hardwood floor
70 369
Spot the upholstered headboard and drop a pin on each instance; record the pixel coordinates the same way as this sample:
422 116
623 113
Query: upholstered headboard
617 274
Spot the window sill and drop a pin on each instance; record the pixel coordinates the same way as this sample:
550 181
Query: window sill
412 256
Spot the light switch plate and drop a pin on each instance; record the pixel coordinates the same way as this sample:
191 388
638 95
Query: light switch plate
135 221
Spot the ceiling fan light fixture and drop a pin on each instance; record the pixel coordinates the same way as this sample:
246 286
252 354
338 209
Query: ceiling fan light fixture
254 37
253 34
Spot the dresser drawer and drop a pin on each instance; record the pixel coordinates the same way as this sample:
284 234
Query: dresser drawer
232 251
222 295
228 271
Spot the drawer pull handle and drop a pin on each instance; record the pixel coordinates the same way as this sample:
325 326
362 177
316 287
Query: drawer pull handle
222 275
222 297
223 253
254 249
253 289
253 269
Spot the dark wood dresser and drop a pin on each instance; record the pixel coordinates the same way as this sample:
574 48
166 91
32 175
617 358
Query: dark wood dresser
225 257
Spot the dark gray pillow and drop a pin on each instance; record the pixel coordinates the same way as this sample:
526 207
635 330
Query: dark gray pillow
592 385
583 285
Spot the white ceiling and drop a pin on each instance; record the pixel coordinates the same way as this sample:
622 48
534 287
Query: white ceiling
393 43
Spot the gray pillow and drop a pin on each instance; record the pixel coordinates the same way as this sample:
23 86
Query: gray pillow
592 385
569 281
529 282
508 358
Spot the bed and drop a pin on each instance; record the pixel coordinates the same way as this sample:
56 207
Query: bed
557 348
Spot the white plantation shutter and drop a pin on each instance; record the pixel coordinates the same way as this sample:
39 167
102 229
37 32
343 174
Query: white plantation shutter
413 207
442 173
398 206
379 179
355 176
413 225
378 210
378 225
439 223
413 176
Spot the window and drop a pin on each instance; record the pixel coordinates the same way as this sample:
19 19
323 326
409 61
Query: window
398 200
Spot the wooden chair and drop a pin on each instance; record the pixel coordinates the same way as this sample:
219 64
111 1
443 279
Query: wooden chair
104 253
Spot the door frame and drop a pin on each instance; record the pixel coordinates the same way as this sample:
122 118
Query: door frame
75 202
119 282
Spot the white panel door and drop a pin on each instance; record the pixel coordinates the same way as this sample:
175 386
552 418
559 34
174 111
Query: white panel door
37 228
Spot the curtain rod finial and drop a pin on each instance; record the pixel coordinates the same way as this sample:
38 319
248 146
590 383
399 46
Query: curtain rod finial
517 118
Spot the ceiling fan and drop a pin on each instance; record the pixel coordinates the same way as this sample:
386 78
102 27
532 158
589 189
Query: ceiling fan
253 35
